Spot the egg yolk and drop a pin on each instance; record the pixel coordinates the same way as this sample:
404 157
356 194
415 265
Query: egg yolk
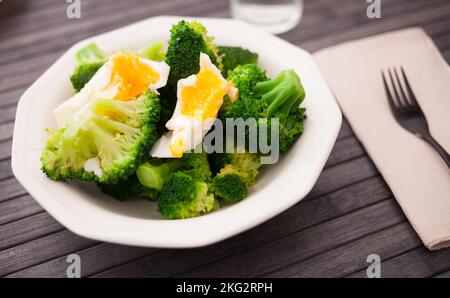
205 96
177 147
130 76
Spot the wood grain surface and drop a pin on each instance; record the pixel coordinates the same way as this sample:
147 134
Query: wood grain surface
349 214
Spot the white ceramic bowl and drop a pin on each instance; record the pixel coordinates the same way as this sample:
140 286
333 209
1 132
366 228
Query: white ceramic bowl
85 210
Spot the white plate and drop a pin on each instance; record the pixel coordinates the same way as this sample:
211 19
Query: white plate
85 210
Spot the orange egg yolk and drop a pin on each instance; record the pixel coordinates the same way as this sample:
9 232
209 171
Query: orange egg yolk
206 96
130 76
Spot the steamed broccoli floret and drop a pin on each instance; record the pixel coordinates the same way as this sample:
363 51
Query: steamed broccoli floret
283 95
246 164
89 60
235 56
83 73
236 172
104 141
261 98
187 41
182 197
229 185
129 188
154 174
245 77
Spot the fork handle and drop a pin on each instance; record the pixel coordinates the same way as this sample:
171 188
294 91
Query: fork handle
430 140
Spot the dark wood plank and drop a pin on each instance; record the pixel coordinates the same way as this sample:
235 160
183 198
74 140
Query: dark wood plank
6 131
345 131
41 250
446 55
334 19
10 188
11 97
5 149
345 149
5 169
58 37
7 114
18 208
94 259
27 229
417 263
348 173
419 18
351 257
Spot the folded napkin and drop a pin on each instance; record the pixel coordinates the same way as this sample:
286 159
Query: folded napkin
418 177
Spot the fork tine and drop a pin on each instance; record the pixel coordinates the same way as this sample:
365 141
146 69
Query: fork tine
403 96
412 97
396 98
391 101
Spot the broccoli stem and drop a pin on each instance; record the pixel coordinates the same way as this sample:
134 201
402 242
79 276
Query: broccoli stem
154 176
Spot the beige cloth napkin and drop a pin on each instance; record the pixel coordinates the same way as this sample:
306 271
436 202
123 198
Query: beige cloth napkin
417 176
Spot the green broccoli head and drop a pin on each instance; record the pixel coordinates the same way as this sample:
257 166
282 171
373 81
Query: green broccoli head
83 73
291 127
229 185
104 141
187 41
154 174
235 56
246 164
283 93
183 197
128 189
283 96
89 60
62 159
261 98
196 165
245 77
237 172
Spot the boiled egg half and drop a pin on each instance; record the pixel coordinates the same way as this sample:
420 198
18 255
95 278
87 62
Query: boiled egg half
199 98
123 77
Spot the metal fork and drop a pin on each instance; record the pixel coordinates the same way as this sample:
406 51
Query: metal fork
406 110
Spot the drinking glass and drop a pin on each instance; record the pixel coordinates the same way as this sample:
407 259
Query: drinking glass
275 16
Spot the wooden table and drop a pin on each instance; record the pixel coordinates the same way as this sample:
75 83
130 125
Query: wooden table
349 214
